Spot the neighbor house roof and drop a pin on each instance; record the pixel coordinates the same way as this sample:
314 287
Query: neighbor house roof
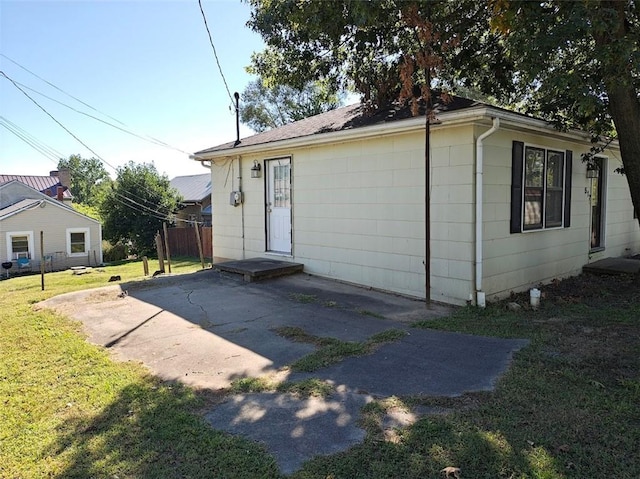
193 188
44 184
340 119
18 207
27 197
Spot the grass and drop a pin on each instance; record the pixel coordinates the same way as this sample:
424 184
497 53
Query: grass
566 409
330 350
69 411
306 388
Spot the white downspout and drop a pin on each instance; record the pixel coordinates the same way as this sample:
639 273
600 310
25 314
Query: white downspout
480 296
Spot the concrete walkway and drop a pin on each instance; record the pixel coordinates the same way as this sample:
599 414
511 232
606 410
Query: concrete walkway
210 328
613 266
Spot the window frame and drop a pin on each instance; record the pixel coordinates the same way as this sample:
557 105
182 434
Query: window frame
519 189
87 241
11 256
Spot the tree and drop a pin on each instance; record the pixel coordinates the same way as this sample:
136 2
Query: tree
575 63
365 46
578 65
265 106
88 178
137 204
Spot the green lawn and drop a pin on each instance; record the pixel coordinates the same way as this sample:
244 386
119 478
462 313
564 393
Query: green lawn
69 411
568 407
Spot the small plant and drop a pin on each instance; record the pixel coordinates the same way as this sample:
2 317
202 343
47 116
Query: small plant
366 312
303 298
388 336
251 385
306 388
113 252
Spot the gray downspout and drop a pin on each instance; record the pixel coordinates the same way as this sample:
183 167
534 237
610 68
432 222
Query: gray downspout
480 295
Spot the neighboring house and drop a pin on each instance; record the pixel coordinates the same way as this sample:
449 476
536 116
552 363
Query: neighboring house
196 203
56 185
69 238
343 193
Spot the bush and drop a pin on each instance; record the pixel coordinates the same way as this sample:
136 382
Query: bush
113 252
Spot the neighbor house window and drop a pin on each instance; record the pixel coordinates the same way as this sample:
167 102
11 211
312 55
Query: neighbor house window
77 241
19 244
540 188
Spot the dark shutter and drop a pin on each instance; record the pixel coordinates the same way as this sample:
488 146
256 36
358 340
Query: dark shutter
517 164
567 188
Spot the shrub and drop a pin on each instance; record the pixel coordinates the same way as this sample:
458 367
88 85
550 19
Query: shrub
113 252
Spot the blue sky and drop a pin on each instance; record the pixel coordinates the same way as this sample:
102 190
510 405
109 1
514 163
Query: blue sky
147 64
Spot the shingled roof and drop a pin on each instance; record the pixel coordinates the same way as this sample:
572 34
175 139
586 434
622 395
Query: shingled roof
345 118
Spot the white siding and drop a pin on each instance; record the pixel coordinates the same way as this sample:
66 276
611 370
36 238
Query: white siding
53 221
358 212
515 262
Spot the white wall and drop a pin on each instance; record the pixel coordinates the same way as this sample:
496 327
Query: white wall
54 221
515 262
358 212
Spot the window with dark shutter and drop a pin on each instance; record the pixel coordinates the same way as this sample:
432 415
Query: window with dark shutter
540 188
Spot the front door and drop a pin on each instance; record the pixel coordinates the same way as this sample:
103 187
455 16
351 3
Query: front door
279 205
596 198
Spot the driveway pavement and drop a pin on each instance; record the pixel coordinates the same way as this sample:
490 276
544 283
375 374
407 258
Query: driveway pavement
209 328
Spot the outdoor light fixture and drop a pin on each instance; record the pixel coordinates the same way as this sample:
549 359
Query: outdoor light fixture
256 169
592 171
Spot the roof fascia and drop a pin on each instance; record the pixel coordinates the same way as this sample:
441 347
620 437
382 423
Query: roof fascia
471 115
24 208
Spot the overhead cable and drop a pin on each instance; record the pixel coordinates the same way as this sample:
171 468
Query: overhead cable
215 53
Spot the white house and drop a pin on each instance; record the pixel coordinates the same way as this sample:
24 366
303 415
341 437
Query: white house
69 238
511 203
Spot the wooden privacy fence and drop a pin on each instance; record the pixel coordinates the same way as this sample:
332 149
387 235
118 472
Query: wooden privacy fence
183 241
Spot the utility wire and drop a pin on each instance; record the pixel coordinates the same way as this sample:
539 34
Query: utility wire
54 156
63 127
125 128
215 53
72 134
57 88
148 139
30 139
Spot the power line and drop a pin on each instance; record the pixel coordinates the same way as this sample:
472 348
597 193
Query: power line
72 134
54 156
30 139
58 88
215 53
125 128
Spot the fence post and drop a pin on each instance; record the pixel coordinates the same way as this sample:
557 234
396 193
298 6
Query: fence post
166 242
159 250
197 228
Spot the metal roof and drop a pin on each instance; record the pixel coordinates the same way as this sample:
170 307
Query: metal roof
193 188
44 184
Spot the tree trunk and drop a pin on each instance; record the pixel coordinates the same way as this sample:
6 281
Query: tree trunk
624 108
624 101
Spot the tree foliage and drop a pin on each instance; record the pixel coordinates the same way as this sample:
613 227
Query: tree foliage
575 63
137 204
368 46
265 106
578 65
88 178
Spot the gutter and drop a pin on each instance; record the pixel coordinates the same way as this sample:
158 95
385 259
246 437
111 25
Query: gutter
445 119
202 161
480 295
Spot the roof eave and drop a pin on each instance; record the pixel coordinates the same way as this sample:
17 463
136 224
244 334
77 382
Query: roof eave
445 119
